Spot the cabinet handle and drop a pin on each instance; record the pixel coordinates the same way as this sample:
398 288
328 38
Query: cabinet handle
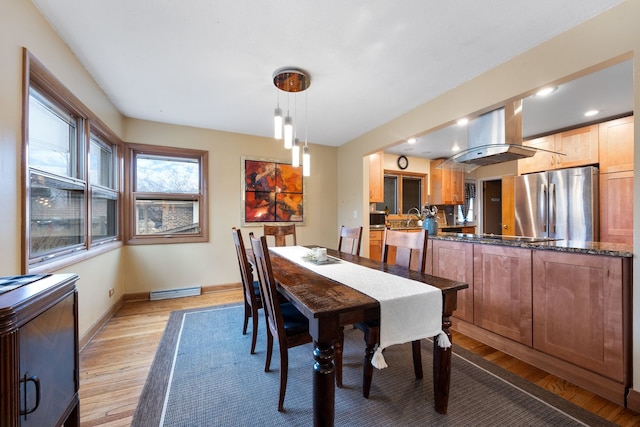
36 381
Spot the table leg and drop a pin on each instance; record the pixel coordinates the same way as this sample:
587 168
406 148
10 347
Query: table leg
442 357
323 385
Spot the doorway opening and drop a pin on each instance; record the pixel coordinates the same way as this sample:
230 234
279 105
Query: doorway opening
492 206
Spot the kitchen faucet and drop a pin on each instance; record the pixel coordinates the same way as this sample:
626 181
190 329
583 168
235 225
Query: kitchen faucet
409 214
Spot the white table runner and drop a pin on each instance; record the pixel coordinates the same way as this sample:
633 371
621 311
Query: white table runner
409 310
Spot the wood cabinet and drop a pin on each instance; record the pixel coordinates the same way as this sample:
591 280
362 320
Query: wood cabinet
446 184
616 207
376 177
39 361
616 145
616 181
578 311
454 260
375 244
502 291
579 147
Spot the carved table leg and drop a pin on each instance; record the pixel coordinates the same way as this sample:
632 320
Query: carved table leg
323 385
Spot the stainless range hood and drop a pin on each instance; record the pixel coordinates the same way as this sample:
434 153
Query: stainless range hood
495 137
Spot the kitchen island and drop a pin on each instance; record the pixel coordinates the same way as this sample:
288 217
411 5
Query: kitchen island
562 306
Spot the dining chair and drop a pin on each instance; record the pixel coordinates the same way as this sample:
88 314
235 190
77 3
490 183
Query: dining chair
350 239
284 322
250 287
411 252
280 232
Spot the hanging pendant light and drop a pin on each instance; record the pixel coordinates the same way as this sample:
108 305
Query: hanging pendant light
277 123
288 132
290 80
306 161
295 153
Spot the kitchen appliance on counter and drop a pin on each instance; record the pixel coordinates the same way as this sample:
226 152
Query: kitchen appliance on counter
559 204
377 219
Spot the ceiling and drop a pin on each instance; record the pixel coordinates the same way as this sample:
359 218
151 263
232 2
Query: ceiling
209 63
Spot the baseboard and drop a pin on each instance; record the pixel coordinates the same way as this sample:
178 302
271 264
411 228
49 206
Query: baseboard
93 330
633 400
144 296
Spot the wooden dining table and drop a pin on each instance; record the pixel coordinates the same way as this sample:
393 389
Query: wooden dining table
330 305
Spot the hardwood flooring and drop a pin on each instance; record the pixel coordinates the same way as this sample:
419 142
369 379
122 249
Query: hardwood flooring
115 363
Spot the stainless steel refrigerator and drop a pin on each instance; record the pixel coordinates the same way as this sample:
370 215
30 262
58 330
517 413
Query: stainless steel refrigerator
560 204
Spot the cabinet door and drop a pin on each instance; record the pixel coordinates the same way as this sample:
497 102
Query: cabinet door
542 160
616 207
47 352
454 260
502 291
578 310
375 245
580 147
616 145
376 177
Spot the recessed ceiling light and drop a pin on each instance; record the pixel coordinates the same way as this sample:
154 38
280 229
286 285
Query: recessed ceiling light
591 113
455 148
463 121
411 141
546 91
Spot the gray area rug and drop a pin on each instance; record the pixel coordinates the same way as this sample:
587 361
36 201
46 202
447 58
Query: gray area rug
203 375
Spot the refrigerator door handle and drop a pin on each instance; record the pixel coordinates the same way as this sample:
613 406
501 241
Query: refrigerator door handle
543 207
552 208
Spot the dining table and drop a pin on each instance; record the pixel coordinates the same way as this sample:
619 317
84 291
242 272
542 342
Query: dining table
330 305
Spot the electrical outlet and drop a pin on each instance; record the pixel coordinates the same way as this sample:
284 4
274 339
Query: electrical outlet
111 292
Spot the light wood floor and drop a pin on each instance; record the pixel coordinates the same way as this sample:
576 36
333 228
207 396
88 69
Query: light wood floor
115 363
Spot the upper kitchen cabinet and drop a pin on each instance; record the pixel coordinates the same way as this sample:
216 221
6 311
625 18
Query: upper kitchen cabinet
616 145
376 177
578 147
447 184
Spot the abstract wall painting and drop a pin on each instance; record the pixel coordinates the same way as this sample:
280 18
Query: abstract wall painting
273 192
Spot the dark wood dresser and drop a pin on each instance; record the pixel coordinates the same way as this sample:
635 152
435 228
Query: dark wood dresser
39 362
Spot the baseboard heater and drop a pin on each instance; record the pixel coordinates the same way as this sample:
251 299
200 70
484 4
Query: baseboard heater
175 293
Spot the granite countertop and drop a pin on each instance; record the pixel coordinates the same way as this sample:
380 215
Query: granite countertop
592 248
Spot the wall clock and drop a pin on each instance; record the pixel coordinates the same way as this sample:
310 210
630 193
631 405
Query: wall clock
403 162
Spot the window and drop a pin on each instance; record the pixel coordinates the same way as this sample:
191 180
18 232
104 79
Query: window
71 187
168 197
466 212
403 191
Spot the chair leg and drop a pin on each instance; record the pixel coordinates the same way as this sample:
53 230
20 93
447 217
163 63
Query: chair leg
247 314
338 346
370 339
254 329
284 370
267 362
417 359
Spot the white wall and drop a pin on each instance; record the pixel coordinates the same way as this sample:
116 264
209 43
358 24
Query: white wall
610 35
153 267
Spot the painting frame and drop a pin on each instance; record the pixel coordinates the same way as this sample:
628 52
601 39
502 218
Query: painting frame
272 192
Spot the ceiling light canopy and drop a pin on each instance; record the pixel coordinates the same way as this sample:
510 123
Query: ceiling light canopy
292 81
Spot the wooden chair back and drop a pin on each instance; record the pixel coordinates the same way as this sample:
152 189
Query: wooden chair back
350 239
280 232
269 292
410 247
246 273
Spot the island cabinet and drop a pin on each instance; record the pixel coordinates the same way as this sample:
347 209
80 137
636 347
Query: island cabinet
446 184
39 363
578 311
502 291
454 260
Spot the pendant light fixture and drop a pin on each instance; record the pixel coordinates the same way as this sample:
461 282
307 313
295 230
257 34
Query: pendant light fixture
292 81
